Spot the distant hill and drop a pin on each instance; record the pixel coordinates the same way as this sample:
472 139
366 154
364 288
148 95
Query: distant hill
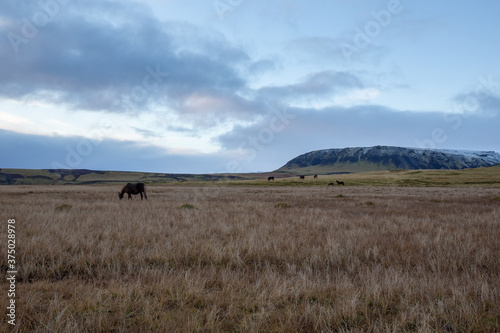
87 177
487 176
327 161
378 158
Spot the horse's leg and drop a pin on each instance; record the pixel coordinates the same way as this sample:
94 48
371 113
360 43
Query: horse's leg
129 196
140 194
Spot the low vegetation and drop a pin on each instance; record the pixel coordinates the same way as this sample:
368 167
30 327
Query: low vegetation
282 205
92 177
187 206
489 176
467 177
414 259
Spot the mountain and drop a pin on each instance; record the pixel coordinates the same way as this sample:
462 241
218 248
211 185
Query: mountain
379 158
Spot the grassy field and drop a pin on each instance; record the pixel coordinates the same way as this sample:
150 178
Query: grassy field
485 177
254 259
481 176
88 177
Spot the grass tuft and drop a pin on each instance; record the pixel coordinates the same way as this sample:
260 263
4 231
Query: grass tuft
63 208
187 206
282 205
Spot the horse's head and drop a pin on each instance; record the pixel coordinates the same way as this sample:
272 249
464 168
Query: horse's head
120 195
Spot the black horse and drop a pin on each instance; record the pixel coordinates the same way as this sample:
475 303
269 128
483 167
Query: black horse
270 178
330 184
340 183
301 177
138 188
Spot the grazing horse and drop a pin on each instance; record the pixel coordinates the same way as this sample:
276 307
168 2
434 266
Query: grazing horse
138 188
340 183
270 178
330 184
301 177
315 176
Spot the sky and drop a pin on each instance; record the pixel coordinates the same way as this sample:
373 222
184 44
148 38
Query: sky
217 86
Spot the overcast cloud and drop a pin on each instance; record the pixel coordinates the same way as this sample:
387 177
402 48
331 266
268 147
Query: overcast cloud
146 85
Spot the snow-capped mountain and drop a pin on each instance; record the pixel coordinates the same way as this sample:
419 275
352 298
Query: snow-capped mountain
388 158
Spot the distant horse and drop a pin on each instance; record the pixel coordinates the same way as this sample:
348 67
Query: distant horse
270 178
301 177
315 176
138 188
340 183
330 184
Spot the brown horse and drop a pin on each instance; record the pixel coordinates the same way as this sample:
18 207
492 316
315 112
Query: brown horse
138 188
340 183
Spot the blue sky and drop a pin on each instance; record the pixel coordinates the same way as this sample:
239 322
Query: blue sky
239 85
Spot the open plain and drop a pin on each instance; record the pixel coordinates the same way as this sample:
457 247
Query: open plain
254 258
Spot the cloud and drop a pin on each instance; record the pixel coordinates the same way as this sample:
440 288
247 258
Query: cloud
335 50
13 121
43 152
207 108
111 56
261 66
483 101
280 135
368 125
181 85
118 57
315 86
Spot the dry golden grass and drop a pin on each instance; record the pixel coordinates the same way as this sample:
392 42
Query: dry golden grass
255 259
